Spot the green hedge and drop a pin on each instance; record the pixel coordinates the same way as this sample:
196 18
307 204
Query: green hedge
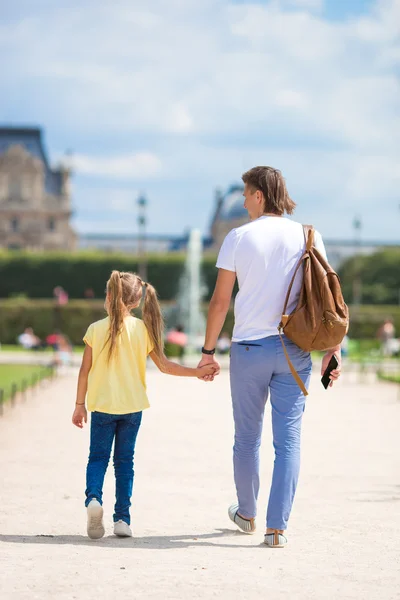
35 275
366 320
76 316
44 316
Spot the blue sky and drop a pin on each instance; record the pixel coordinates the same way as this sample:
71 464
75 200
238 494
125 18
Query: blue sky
175 98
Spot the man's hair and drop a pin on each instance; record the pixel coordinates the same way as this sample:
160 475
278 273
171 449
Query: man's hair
272 184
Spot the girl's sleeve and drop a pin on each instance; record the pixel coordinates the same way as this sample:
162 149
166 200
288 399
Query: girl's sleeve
88 337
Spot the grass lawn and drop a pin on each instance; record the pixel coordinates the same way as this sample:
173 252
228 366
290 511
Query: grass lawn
17 348
17 374
391 378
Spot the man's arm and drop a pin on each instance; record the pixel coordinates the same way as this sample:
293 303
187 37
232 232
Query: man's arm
219 305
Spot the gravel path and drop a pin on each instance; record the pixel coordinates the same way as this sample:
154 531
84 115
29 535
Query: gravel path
344 536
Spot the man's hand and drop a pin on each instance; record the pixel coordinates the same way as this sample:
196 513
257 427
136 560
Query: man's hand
207 370
335 374
209 360
80 416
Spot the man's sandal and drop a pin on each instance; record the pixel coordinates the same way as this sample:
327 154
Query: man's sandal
245 525
275 540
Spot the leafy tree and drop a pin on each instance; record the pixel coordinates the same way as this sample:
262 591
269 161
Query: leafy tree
378 274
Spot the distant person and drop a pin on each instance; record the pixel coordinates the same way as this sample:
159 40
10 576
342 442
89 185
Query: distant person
177 337
224 343
113 375
29 341
263 256
52 340
60 295
386 335
64 351
89 293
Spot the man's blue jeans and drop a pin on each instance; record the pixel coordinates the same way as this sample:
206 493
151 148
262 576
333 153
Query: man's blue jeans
257 368
123 430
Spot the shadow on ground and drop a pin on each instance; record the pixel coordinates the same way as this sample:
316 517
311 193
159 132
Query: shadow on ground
379 495
157 542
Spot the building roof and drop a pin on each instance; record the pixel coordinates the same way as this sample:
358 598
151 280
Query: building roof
232 205
31 139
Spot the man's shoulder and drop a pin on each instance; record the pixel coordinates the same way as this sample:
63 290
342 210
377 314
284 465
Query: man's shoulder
255 226
237 232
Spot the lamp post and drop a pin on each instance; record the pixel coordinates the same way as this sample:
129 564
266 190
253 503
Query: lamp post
142 222
357 284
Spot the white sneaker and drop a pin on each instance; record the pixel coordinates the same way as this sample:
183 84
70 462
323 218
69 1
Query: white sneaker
122 529
95 526
245 525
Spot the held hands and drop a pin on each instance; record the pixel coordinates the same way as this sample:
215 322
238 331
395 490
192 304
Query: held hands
80 416
334 376
208 368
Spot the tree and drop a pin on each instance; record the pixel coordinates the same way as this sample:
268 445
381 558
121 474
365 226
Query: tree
379 274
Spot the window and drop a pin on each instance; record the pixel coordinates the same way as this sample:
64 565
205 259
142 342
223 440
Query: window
51 224
15 189
14 224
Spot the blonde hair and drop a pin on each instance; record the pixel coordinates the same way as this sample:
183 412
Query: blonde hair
124 291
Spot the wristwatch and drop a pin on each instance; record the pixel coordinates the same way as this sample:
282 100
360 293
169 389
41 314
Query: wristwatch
209 352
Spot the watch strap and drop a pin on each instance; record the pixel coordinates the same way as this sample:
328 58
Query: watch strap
209 352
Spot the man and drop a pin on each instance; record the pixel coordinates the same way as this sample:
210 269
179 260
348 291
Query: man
263 255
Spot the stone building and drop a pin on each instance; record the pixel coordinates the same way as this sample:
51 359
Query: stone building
35 200
229 213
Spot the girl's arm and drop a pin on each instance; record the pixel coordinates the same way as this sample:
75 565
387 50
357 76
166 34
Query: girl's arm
80 413
172 368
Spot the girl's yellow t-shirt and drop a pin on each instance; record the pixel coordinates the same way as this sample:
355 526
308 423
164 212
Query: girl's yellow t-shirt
118 387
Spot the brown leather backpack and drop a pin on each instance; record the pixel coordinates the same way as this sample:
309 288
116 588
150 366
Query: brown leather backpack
321 318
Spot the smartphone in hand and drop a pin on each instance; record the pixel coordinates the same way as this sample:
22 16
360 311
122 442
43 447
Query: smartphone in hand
332 365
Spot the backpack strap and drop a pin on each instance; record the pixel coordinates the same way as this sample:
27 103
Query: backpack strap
292 369
299 264
308 231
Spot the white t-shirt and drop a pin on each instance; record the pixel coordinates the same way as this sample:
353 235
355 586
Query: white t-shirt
264 254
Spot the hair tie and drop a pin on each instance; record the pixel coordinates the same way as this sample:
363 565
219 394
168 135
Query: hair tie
145 284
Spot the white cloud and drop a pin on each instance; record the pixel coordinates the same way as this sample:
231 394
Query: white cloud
179 120
306 4
176 70
131 166
108 199
290 99
258 82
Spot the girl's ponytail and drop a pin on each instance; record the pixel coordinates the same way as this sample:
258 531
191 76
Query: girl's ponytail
153 319
116 310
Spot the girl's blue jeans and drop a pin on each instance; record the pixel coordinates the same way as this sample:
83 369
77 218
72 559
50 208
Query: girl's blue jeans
259 369
104 430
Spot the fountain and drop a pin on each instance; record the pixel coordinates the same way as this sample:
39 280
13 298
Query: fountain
191 292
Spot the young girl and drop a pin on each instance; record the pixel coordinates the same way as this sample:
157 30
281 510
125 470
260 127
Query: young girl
113 377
